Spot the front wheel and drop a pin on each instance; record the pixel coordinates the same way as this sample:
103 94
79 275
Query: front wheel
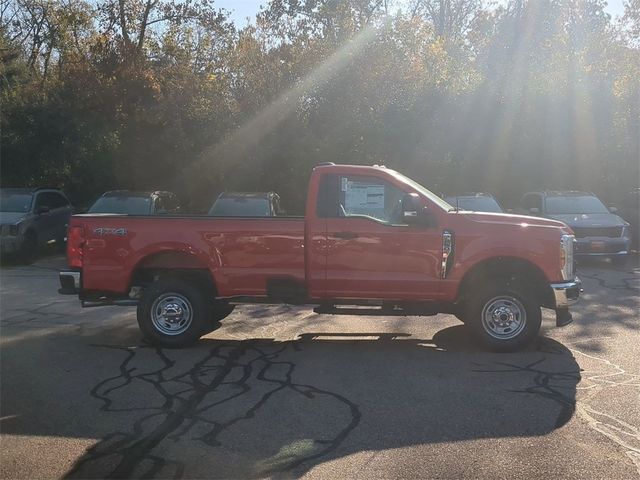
173 313
503 318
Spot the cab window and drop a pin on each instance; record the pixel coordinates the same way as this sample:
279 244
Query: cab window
360 196
51 200
532 201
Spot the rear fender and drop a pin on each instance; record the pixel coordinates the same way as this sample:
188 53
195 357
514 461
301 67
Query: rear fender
179 258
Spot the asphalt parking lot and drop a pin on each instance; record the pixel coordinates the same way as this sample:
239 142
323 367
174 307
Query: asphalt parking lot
282 392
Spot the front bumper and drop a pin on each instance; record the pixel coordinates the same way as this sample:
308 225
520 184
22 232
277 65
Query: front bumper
70 282
566 293
9 244
602 246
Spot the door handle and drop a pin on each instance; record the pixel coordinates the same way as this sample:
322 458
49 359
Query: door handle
346 235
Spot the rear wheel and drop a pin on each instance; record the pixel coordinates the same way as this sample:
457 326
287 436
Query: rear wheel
503 318
173 313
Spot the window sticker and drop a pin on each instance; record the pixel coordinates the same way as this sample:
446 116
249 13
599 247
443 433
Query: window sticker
364 197
344 184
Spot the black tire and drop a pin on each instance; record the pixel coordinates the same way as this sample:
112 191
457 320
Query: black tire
28 248
519 312
186 313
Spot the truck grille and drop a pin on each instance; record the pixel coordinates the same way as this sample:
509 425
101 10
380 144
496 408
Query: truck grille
611 232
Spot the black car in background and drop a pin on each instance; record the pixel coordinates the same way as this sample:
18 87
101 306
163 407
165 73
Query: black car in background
475 202
598 230
136 203
246 204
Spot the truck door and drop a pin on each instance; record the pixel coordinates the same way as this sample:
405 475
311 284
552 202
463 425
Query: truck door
370 252
45 220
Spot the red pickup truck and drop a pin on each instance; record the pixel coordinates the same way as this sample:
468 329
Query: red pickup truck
370 237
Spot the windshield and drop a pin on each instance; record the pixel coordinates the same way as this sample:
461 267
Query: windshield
15 202
476 204
423 191
241 207
123 205
574 204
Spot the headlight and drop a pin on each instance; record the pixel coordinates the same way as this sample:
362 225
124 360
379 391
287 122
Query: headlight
566 256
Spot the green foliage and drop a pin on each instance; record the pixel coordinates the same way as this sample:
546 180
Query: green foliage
169 94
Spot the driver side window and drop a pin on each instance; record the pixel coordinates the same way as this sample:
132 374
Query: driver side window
44 199
361 196
532 201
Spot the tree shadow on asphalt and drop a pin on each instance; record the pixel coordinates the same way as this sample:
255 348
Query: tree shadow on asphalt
258 407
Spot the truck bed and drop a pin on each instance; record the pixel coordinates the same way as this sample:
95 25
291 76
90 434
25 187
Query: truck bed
240 252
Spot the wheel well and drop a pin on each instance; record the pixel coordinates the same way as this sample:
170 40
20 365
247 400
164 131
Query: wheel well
506 269
173 264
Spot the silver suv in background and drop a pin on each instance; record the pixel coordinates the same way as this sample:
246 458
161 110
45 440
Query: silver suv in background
127 202
247 204
598 230
31 218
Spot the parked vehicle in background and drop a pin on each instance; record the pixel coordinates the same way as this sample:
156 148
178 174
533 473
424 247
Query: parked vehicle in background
370 238
246 204
136 203
31 218
598 230
630 211
475 202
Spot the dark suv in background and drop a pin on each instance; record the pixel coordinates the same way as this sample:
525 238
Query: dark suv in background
598 230
32 218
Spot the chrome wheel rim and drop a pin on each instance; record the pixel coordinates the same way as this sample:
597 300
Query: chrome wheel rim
171 314
504 317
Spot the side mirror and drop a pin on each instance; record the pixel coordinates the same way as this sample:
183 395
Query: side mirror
613 209
42 209
413 212
534 210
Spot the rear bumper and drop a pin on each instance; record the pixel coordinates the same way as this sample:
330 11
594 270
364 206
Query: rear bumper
567 293
70 282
